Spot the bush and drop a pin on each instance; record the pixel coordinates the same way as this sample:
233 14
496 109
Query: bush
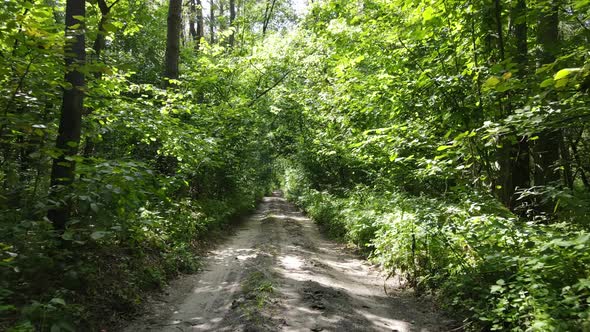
499 272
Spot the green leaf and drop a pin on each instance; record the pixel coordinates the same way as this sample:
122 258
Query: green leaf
562 74
109 27
496 289
57 300
98 235
491 82
547 82
561 83
427 14
67 235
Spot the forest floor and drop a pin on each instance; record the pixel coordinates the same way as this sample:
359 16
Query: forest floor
279 273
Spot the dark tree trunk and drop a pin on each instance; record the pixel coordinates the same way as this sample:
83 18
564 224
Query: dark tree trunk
221 22
566 161
520 151
212 21
99 42
499 28
70 122
270 5
232 18
173 40
98 46
547 146
191 24
519 13
200 24
580 164
503 154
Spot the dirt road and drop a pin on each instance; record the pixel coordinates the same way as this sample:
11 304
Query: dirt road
278 273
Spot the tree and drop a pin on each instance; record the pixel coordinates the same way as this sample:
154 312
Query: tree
200 24
268 12
212 21
232 18
191 23
70 122
520 152
99 42
196 22
547 146
98 46
173 40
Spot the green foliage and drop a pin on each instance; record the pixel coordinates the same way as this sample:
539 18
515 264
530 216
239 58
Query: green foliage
410 122
159 170
502 273
447 140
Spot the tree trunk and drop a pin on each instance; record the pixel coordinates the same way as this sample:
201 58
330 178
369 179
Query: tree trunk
566 161
520 151
200 24
499 28
99 42
495 32
98 46
173 40
270 5
212 21
547 146
70 122
221 22
580 164
191 24
232 18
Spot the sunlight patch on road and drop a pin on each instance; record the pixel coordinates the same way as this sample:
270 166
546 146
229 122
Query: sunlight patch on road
385 323
286 217
292 262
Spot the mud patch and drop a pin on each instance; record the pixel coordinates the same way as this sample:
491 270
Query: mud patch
335 306
255 304
323 298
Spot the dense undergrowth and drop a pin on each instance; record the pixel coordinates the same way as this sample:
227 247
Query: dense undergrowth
498 272
106 272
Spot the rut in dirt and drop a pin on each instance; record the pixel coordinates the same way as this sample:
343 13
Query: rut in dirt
279 273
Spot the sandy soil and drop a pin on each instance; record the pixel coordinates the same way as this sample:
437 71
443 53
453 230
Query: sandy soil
278 273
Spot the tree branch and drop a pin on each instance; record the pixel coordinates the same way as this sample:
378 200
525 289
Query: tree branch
267 90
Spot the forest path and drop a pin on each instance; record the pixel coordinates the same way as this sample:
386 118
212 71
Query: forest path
278 273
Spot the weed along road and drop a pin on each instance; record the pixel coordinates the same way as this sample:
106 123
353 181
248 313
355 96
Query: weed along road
278 273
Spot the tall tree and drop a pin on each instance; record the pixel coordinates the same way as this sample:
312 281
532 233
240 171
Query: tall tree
191 23
196 22
520 151
99 42
232 18
200 23
98 46
268 11
173 39
221 20
70 122
503 155
547 146
212 21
